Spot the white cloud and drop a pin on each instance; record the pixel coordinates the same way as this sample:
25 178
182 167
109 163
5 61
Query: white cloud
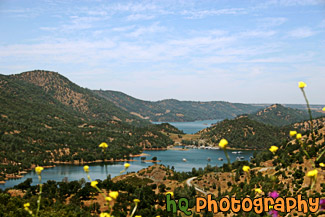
300 2
289 3
269 22
302 32
198 14
144 30
123 28
257 34
132 7
136 17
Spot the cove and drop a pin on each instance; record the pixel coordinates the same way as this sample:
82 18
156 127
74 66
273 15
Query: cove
195 158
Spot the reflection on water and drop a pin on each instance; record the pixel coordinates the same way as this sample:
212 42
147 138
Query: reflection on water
194 158
192 127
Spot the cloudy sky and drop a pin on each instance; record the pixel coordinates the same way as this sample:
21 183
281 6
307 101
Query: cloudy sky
248 51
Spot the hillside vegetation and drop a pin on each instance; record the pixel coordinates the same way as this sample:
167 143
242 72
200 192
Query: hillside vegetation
283 172
172 110
245 133
38 127
262 129
77 98
278 115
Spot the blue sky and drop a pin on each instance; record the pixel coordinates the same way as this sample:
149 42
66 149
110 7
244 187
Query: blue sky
248 51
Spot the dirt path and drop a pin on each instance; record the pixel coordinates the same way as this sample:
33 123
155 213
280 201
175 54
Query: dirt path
188 182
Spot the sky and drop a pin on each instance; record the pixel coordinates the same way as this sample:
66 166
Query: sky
247 51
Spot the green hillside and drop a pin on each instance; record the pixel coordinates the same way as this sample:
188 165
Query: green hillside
172 110
279 115
37 128
245 133
267 127
77 98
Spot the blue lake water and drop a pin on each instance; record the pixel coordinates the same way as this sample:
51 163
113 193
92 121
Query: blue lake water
192 127
195 158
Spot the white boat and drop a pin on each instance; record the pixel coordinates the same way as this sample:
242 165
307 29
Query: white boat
240 152
220 158
234 152
184 159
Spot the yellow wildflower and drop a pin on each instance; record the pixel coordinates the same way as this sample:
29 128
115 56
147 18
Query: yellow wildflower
126 165
103 145
113 194
94 184
103 214
86 169
39 170
322 165
246 168
136 200
323 109
293 133
302 84
270 207
312 173
26 205
171 193
298 136
137 216
273 149
258 190
223 143
108 199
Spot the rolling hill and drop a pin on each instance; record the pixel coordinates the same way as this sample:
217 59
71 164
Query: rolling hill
260 130
172 110
79 99
278 115
244 133
38 125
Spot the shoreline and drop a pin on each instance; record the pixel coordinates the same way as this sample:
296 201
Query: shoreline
76 163
56 163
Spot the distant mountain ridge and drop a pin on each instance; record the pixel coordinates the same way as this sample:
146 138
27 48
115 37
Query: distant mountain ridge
172 110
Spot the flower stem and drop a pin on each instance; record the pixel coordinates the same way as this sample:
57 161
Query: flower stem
228 159
134 209
310 116
320 155
229 164
39 195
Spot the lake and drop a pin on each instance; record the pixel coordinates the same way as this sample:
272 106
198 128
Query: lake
192 127
195 158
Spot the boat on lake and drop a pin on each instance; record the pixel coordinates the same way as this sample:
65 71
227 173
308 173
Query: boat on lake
184 160
220 158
